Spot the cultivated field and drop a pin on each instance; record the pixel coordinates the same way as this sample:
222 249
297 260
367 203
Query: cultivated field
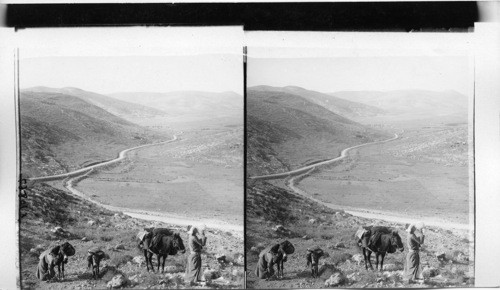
424 174
199 176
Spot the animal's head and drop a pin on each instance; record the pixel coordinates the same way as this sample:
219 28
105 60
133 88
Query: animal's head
177 243
66 250
396 241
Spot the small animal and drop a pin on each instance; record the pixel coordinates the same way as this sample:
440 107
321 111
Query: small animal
312 257
94 258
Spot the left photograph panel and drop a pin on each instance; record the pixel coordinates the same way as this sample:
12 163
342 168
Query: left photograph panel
131 158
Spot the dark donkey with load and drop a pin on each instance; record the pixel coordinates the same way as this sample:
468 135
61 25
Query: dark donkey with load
379 240
161 242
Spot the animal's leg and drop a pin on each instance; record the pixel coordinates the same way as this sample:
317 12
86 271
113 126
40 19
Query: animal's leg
150 261
158 258
163 264
369 254
365 258
146 258
382 256
376 260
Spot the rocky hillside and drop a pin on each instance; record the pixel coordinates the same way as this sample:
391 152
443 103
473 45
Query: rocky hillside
127 110
275 214
286 130
54 216
61 132
348 108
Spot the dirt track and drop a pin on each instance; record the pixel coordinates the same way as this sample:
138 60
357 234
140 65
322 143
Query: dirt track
80 174
305 169
292 179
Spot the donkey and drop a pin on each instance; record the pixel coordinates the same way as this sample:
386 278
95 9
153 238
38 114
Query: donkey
283 249
382 244
167 245
94 258
57 256
273 255
312 257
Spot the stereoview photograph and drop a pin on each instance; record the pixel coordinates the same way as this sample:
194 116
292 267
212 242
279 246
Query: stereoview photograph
359 168
133 169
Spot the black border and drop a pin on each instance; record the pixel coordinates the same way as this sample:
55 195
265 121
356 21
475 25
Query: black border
293 16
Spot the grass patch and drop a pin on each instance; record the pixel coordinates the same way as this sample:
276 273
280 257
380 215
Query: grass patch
106 238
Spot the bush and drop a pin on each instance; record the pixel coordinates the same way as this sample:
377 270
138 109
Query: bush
106 238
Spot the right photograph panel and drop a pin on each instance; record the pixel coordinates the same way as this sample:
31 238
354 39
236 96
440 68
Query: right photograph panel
360 165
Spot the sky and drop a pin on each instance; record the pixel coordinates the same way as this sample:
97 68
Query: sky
379 73
109 74
132 59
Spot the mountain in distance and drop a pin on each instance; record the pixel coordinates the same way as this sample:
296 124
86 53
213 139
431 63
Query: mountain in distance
178 103
62 132
286 131
349 109
127 110
412 104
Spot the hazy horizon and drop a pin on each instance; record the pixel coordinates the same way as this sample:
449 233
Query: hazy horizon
213 73
334 74
129 92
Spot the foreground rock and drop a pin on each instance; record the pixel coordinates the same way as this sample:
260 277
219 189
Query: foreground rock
337 279
118 281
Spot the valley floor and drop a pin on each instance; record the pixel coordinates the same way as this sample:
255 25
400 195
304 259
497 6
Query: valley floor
182 178
404 177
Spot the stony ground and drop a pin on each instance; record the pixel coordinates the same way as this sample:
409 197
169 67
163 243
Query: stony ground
275 214
54 216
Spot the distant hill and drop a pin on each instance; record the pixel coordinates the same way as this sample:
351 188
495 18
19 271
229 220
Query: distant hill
411 104
203 104
61 132
126 110
340 106
286 130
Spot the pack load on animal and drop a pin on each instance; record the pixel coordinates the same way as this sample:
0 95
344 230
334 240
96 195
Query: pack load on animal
368 236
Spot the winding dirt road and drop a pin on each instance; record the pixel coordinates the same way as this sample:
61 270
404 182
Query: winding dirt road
305 169
85 170
292 179
80 174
